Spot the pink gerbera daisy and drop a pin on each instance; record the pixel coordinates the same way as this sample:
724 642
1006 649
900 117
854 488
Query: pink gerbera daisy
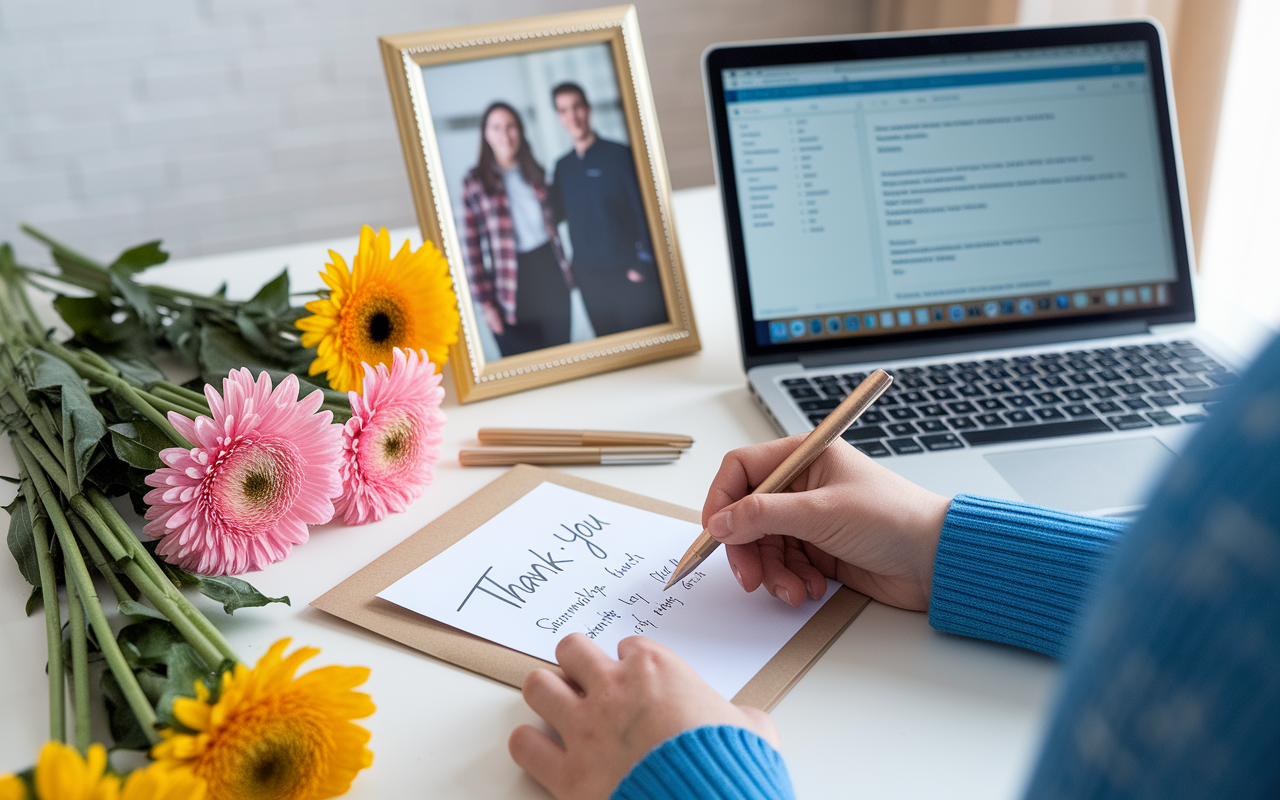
262 470
392 438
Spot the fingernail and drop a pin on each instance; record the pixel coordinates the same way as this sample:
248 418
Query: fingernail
719 526
738 576
809 587
785 595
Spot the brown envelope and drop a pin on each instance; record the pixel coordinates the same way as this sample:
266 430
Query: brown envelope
356 600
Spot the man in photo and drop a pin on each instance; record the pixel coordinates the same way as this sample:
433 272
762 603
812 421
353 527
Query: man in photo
597 193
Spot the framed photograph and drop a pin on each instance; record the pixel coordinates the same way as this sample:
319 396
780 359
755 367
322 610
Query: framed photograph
537 168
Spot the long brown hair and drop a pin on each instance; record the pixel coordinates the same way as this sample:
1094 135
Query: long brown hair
487 169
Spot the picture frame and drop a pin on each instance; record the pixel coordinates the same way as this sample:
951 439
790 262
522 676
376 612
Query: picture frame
536 166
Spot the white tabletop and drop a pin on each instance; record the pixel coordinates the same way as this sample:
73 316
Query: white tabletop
892 710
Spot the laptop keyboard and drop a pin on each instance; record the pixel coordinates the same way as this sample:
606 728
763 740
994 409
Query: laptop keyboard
950 405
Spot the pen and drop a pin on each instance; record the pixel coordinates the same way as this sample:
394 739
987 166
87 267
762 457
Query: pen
818 440
506 456
562 438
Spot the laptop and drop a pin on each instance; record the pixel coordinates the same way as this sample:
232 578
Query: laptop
997 218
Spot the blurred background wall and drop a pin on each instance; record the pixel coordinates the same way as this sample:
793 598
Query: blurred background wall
221 125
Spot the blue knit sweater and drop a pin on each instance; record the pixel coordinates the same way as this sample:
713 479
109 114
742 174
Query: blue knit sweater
1171 632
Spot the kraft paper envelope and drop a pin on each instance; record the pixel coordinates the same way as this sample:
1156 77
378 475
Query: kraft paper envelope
356 600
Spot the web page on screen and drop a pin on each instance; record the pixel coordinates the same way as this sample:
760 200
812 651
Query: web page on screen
949 190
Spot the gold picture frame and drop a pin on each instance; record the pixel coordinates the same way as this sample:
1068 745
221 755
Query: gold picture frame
528 76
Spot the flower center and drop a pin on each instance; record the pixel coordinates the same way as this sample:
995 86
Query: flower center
254 484
396 441
275 764
380 327
259 488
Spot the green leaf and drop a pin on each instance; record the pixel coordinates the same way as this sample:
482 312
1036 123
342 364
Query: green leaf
272 299
35 600
138 612
137 259
22 542
139 443
85 315
221 352
8 266
54 378
114 477
233 593
126 731
254 336
138 371
146 644
183 667
91 320
183 335
137 299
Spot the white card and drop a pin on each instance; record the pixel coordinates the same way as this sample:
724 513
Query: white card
558 561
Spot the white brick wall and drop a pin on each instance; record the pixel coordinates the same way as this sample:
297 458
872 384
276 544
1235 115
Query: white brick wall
225 124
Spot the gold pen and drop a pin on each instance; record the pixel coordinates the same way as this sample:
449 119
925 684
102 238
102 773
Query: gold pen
561 438
818 440
506 456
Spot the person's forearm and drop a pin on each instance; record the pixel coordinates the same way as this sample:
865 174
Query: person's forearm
1015 573
710 763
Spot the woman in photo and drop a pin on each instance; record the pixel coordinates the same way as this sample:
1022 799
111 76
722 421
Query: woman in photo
520 279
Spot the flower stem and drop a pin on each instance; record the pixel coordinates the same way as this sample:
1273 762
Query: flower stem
103 531
157 578
79 666
181 391
182 405
43 457
121 387
159 598
100 562
77 572
52 611
164 404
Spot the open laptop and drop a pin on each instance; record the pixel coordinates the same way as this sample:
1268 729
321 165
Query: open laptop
997 218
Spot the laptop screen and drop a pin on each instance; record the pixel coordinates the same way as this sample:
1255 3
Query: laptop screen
932 194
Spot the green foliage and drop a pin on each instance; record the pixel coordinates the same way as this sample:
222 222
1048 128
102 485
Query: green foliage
137 371
126 731
82 424
22 542
136 259
137 611
139 443
132 320
233 593
165 665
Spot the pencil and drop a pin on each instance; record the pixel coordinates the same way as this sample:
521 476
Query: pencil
818 440
506 456
573 438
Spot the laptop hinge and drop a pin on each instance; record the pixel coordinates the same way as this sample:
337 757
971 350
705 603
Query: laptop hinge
970 344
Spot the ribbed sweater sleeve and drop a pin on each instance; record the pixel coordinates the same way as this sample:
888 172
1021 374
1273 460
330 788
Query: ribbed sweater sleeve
1016 573
1173 685
710 763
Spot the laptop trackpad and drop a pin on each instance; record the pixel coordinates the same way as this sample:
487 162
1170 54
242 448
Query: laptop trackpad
1100 477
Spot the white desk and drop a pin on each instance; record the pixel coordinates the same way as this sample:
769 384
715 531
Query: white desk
892 710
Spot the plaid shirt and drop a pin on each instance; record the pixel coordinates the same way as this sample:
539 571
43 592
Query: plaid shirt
490 245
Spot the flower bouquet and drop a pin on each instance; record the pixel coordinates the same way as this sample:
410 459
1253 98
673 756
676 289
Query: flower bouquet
229 470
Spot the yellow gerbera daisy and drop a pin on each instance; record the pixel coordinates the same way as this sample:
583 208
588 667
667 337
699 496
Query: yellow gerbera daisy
63 774
380 304
271 736
12 788
163 782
